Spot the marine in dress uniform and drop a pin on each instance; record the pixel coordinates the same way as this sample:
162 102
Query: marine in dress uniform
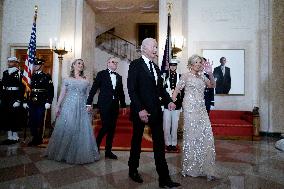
39 100
171 118
12 96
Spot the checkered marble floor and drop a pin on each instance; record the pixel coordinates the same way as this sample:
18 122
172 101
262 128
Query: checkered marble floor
240 165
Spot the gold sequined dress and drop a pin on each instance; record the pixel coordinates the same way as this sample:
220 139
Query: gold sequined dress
198 143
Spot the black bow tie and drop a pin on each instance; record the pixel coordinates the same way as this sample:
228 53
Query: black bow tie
111 72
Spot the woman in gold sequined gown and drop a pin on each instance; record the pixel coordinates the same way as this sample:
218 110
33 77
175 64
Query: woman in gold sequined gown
198 143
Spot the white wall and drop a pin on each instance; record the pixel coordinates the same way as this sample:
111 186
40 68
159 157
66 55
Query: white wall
225 24
17 24
88 39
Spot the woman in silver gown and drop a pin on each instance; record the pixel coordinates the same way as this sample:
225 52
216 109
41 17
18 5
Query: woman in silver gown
198 143
73 139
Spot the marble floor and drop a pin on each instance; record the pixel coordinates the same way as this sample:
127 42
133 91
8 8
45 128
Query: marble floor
240 165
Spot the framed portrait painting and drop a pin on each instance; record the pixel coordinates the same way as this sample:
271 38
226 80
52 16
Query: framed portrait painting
228 70
145 30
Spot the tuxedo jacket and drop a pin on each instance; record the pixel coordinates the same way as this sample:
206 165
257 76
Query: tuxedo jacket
223 82
107 94
143 91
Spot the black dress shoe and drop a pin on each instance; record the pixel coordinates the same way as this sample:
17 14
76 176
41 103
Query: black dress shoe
174 148
168 183
110 155
7 142
34 143
136 177
168 148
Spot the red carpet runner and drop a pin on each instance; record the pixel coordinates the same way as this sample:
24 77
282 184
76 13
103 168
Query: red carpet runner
123 134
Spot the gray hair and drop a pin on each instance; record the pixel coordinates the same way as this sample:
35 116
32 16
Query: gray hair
145 42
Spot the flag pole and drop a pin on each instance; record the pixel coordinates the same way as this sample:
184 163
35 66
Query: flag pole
35 16
28 66
168 50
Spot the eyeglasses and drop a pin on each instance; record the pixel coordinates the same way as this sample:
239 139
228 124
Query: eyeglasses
114 62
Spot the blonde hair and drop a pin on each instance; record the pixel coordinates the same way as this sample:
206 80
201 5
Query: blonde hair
72 71
193 60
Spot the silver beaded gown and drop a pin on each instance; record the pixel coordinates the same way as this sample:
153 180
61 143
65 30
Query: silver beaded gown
73 139
198 157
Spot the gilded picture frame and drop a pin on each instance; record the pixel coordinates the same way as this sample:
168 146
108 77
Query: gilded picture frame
145 30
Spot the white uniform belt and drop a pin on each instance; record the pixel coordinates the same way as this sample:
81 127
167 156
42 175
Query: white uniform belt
11 88
39 90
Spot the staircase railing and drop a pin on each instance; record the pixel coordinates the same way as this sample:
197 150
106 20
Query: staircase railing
117 46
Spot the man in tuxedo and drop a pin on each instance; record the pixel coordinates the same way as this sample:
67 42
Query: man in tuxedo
145 88
110 96
223 78
208 93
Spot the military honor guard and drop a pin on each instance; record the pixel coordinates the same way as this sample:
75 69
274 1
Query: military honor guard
12 96
171 117
39 101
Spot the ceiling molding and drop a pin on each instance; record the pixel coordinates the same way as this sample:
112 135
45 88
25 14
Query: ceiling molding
119 6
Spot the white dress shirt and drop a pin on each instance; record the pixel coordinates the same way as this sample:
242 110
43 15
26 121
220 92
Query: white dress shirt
146 60
223 69
113 79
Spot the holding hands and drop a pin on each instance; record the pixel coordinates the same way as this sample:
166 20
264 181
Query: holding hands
57 110
171 106
89 108
143 114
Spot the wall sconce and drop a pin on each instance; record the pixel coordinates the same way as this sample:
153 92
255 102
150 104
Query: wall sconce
61 48
177 45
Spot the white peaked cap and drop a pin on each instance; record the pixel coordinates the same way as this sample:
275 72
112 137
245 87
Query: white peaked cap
174 61
13 59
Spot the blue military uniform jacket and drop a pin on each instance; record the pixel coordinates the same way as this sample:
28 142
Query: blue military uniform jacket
42 90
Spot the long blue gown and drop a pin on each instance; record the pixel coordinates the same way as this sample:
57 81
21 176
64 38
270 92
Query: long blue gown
73 139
